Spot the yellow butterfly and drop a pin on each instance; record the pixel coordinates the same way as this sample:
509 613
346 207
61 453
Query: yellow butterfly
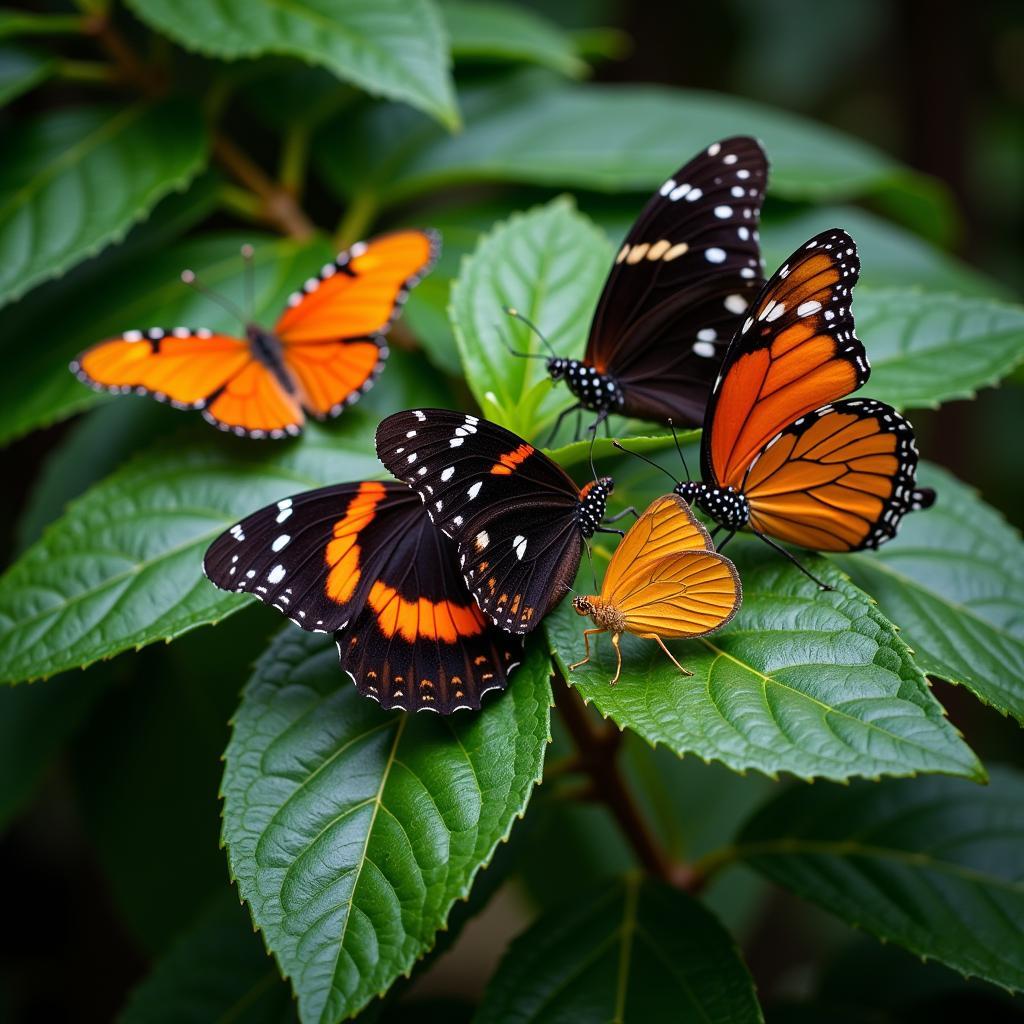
664 580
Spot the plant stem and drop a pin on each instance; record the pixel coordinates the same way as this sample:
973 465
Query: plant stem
598 749
87 71
147 80
26 24
357 220
294 158
279 206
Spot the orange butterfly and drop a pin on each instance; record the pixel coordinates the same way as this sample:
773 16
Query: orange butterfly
780 454
325 350
664 580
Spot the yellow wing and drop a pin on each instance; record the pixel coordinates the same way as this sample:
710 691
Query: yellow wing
666 528
683 595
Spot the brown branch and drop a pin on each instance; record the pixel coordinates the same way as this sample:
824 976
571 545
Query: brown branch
598 749
132 70
279 205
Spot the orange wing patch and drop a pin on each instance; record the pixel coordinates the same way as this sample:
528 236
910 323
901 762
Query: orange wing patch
343 551
796 352
182 367
839 480
507 463
254 403
423 619
361 292
331 374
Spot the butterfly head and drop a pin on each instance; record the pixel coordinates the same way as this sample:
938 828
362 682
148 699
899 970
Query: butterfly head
557 367
605 615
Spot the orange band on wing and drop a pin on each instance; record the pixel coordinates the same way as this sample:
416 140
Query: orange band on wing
343 552
423 619
508 462
329 374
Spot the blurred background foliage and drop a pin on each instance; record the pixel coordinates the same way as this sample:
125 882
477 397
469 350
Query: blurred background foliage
120 787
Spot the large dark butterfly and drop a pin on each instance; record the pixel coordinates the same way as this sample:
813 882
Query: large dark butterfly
517 519
781 454
362 561
680 285
325 350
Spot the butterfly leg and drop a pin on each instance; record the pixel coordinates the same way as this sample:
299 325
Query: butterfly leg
604 529
719 547
782 551
661 643
561 416
587 633
618 653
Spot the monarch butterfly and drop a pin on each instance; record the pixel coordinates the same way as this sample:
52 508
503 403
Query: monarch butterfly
781 453
664 580
679 286
362 561
519 521
325 350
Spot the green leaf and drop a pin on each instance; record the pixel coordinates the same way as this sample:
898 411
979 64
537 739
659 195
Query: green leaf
392 48
818 684
38 389
533 128
352 831
954 581
77 180
549 264
927 348
217 971
22 70
632 950
890 256
123 566
499 31
931 864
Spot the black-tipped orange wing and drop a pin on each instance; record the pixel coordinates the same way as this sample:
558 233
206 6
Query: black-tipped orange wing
839 479
795 352
362 561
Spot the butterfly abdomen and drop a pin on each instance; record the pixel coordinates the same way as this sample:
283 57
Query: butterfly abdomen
599 392
725 505
593 503
266 347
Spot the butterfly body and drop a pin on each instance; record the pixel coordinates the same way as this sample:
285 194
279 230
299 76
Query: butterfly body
593 505
725 505
595 391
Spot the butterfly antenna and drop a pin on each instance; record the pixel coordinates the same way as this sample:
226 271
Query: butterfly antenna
189 278
679 448
593 571
643 458
593 441
250 281
516 352
516 315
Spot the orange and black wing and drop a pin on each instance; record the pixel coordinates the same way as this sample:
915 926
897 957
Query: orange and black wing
795 352
511 511
194 369
333 329
362 561
838 479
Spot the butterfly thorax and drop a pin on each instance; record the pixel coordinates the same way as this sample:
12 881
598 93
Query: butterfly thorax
725 505
267 348
595 390
593 502
606 616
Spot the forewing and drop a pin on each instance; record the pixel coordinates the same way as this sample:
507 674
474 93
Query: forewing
510 510
839 479
360 293
681 282
668 527
795 352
